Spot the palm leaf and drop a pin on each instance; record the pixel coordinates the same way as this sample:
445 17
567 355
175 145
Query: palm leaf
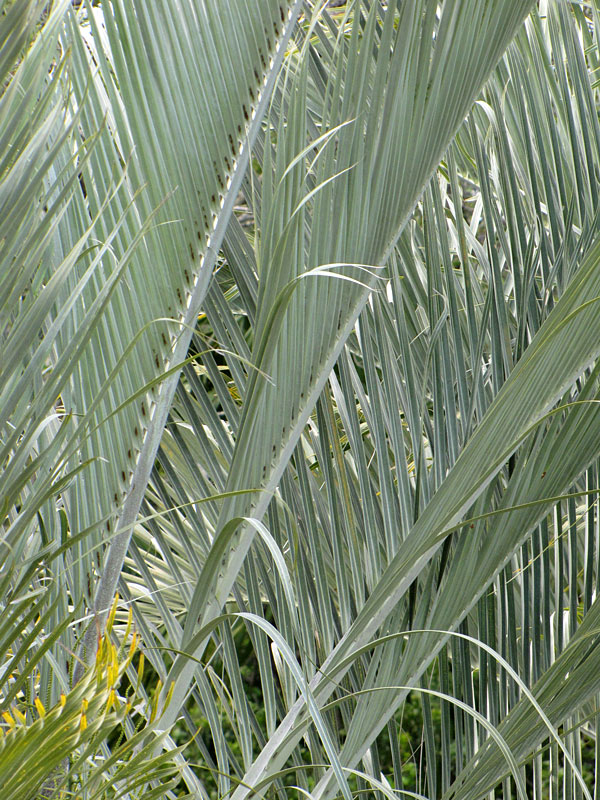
493 320
401 109
168 139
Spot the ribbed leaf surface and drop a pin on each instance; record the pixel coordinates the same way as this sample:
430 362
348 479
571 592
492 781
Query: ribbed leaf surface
179 89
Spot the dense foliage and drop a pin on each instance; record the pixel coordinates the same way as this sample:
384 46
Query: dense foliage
299 362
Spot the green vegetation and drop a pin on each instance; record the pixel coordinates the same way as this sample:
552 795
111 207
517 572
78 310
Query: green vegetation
299 341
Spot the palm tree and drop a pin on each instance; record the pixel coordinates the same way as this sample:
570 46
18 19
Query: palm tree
299 349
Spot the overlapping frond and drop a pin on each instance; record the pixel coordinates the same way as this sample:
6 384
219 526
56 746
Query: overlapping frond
461 308
406 395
